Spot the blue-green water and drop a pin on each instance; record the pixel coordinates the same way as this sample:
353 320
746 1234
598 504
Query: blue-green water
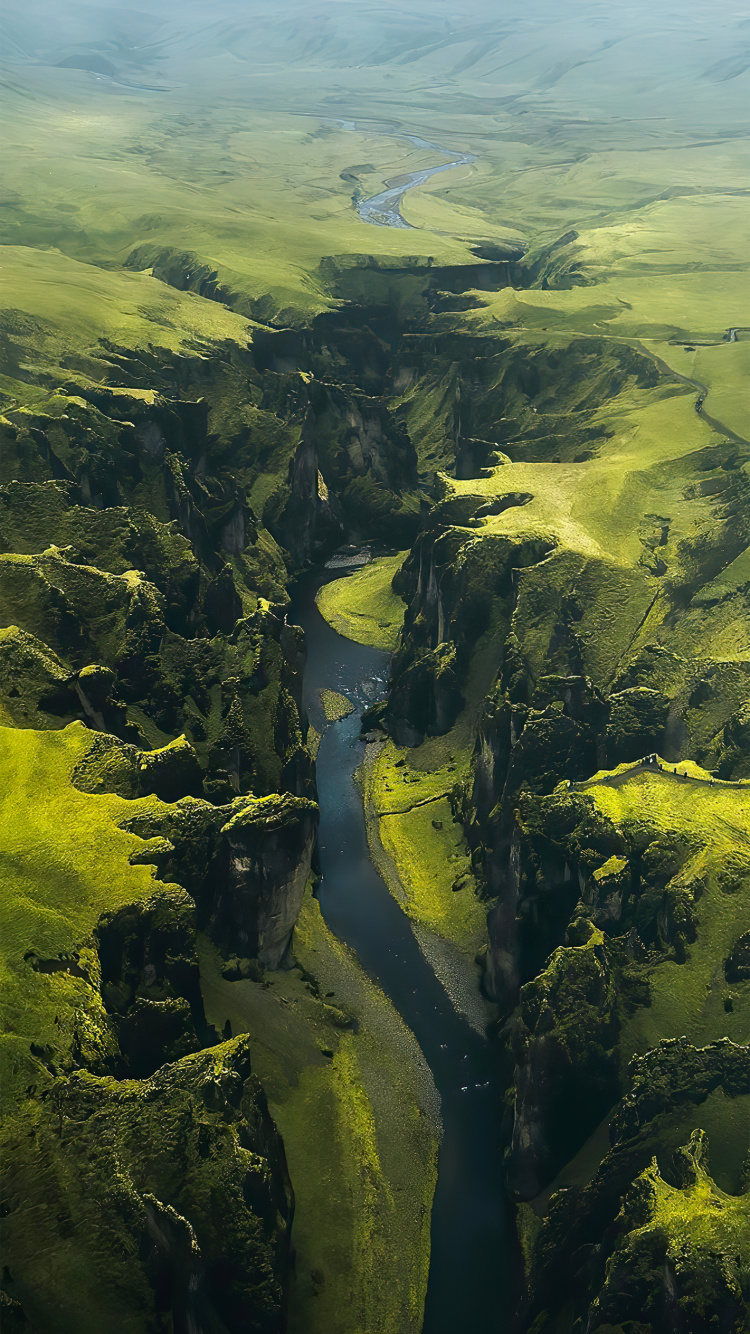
470 1269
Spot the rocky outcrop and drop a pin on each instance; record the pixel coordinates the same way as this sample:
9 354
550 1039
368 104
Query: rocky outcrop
535 734
734 745
35 684
674 1074
538 892
527 740
453 585
142 597
116 539
669 1270
566 1059
269 845
173 1193
123 1141
426 697
649 1237
300 513
587 911
245 865
636 724
567 858
150 981
232 702
172 771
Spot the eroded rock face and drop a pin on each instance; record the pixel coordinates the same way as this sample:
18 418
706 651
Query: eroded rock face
533 736
246 866
150 981
565 859
588 909
734 746
130 1142
300 513
174 1192
650 1238
566 1059
426 698
269 844
453 584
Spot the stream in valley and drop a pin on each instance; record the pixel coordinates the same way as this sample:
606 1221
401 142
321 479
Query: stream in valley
470 1273
384 209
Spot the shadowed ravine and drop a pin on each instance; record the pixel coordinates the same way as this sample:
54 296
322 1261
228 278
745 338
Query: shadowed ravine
469 1271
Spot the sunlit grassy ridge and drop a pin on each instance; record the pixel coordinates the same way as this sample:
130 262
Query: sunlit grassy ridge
59 309
713 820
363 606
700 1215
65 860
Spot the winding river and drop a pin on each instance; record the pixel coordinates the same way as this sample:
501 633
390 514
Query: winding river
384 210
470 1281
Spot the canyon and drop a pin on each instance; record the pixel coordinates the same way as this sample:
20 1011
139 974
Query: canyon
374 708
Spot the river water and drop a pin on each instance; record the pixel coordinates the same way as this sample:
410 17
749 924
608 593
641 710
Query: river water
384 210
470 1282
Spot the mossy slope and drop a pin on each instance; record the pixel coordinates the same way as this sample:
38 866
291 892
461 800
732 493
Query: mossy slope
358 1111
100 978
363 606
162 1201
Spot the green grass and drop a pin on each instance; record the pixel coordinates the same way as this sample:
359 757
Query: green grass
236 157
64 861
334 705
58 308
363 607
242 166
714 823
359 1127
699 1216
257 199
421 862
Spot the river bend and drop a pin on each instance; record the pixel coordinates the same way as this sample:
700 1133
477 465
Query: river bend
384 209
